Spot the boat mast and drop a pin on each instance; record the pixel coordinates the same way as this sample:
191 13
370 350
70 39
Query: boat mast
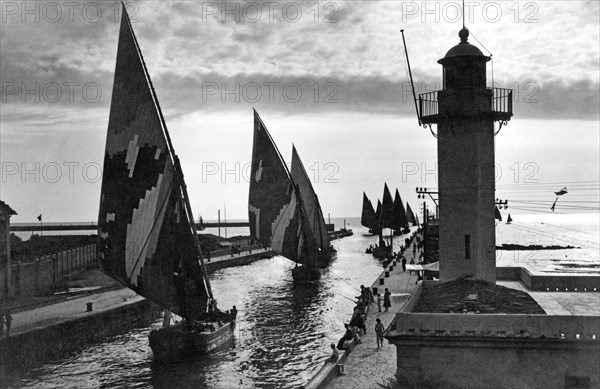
177 165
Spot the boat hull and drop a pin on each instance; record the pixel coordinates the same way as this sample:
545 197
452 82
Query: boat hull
382 252
171 344
307 274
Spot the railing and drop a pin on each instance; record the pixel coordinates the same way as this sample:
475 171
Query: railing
502 100
501 108
428 104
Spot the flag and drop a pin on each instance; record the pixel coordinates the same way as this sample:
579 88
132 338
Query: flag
40 217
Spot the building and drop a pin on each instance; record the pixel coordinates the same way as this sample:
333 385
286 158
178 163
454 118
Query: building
5 261
465 330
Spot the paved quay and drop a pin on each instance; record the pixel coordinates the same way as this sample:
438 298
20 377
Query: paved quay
368 367
71 309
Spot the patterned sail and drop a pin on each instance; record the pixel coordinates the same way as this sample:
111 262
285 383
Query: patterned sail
368 217
311 201
400 219
387 209
410 216
275 210
145 236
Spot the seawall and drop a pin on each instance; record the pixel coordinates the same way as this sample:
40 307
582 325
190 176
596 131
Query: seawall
239 260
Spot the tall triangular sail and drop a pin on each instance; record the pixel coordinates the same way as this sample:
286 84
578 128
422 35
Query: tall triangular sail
399 213
410 216
146 235
275 210
310 200
387 209
368 217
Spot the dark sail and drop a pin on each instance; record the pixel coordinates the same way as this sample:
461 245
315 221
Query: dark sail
274 209
146 239
387 209
410 216
310 200
378 212
368 217
400 219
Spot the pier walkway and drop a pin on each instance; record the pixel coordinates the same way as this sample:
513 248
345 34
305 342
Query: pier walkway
367 366
70 309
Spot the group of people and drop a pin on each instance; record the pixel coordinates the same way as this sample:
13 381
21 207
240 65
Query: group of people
5 321
215 314
357 322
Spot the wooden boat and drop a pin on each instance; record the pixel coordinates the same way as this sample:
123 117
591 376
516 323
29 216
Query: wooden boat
147 235
276 210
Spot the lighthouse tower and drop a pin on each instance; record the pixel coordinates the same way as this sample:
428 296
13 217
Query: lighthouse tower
465 112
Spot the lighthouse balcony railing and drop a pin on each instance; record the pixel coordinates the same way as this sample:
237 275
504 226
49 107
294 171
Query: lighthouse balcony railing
500 109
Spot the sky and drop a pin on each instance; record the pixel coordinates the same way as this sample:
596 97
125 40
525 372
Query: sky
328 76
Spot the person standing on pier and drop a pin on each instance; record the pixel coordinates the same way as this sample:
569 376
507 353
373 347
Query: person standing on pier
386 300
379 332
403 263
379 301
8 321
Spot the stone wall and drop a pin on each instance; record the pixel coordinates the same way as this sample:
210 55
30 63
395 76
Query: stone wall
44 274
496 351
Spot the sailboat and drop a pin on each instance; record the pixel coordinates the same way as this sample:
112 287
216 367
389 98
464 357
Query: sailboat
368 216
410 216
386 220
276 211
311 206
509 219
147 236
400 224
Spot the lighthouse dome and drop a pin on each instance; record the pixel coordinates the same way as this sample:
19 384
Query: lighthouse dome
464 48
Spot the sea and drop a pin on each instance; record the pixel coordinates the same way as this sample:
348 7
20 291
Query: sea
284 329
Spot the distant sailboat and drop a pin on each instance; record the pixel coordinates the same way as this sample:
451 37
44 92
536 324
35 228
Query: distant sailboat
368 216
410 216
497 214
400 218
311 204
509 219
386 220
147 235
276 210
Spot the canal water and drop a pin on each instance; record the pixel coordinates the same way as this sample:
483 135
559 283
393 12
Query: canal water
282 336
284 330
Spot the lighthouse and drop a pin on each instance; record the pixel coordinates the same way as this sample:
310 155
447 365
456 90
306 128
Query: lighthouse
465 112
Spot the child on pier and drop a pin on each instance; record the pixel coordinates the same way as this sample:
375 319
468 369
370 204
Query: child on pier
379 332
